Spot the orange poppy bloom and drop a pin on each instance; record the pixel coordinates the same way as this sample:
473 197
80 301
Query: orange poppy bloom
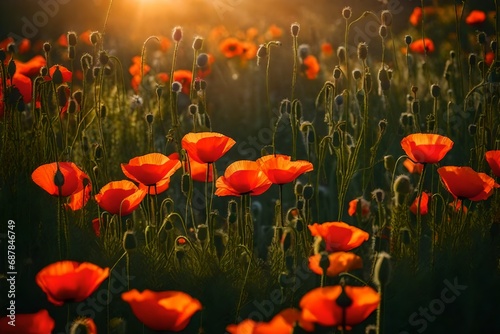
63 40
418 46
23 84
206 147
326 49
339 262
353 207
413 168
489 57
30 323
457 206
280 169
476 187
184 77
135 68
162 77
311 67
493 159
475 17
424 204
249 50
426 147
72 178
416 16
120 197
165 43
32 67
70 281
247 326
24 46
150 169
85 37
80 198
339 236
274 32
242 177
281 323
231 47
319 305
162 311
66 74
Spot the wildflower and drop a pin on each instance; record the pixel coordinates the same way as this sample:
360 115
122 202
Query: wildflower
164 310
120 197
242 177
40 323
426 147
493 159
206 147
362 203
320 305
412 167
338 262
184 77
150 169
475 17
339 236
424 204
70 281
72 178
231 47
311 67
280 169
478 186
64 73
419 47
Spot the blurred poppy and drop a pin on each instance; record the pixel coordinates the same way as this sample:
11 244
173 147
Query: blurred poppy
412 167
135 82
66 174
489 57
416 16
249 50
310 67
231 47
361 203
24 46
282 323
62 40
242 177
28 323
204 71
339 262
280 169
70 281
247 326
457 206
338 236
274 32
326 49
120 197
135 68
150 169
320 305
426 147
475 17
206 147
23 85
184 77
32 67
162 78
424 204
465 183
418 46
85 37
493 159
162 311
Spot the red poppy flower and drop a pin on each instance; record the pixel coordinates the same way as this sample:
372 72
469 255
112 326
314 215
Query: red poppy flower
231 47
457 206
120 197
23 84
45 176
311 67
32 67
464 182
96 226
24 46
339 262
151 168
66 74
162 78
319 305
326 49
80 197
85 37
339 236
475 17
413 168
424 204
198 171
184 77
426 147
70 281
206 147
165 43
493 159
247 326
363 203
29 323
283 323
489 57
418 46
162 311
416 16
63 40
280 169
135 68
242 177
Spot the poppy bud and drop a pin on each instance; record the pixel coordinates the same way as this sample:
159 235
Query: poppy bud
47 47
193 109
59 178
294 29
71 52
103 111
202 60
103 57
389 163
356 74
362 51
197 43
177 34
324 262
72 106
435 90
337 73
78 96
304 51
82 326
11 67
86 61
129 241
61 95
386 18
95 71
71 38
262 51
378 195
339 99
472 128
202 233
415 107
308 192
382 272
203 84
98 152
343 300
382 31
176 87
382 126
347 12
493 45
159 91
341 54
149 118
408 39
94 37
368 82
481 37
300 203
298 189
185 183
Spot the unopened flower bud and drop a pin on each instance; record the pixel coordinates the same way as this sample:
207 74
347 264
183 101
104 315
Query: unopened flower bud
197 43
71 38
386 18
103 57
382 271
389 163
435 90
378 195
347 12
472 59
294 29
94 37
176 87
382 31
47 47
408 39
193 109
356 74
481 37
362 51
129 241
149 118
202 60
341 54
308 192
202 233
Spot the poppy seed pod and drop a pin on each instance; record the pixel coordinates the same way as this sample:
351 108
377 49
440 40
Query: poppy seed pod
129 241
202 60
386 18
177 34
362 51
493 45
382 31
339 99
149 118
159 91
341 54
197 43
71 38
382 271
298 189
435 90
47 47
72 106
193 109
95 71
294 29
337 73
94 37
202 233
347 12
308 192
408 39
